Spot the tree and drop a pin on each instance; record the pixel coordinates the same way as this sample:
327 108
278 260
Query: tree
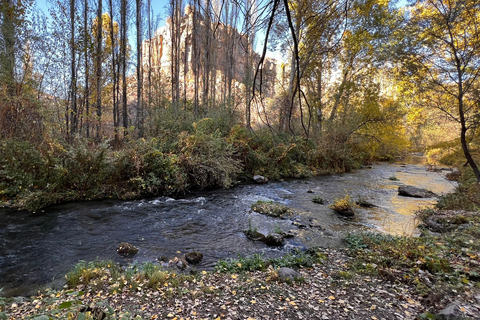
444 50
123 62
138 23
73 84
98 67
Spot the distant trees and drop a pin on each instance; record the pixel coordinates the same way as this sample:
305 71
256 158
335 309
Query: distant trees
75 70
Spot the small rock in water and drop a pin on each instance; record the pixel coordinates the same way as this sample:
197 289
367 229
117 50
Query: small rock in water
260 179
409 191
179 263
364 203
254 235
126 249
194 257
273 239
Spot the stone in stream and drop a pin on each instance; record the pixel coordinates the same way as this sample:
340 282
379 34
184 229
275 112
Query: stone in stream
274 239
179 263
126 249
194 257
254 235
260 179
409 191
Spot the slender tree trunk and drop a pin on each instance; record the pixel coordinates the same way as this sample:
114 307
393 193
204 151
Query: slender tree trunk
149 73
85 49
195 58
114 76
123 55
206 54
73 81
139 69
99 69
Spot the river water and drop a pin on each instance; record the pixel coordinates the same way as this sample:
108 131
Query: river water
36 249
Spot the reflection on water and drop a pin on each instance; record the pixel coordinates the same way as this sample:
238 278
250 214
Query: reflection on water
36 248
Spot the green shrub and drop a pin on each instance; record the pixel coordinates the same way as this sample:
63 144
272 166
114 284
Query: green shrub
207 159
21 168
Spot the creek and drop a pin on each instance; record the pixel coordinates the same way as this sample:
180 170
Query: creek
38 248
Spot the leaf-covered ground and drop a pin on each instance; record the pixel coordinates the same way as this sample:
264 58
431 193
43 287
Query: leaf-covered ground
326 292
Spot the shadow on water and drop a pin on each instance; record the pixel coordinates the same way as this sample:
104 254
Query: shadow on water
36 248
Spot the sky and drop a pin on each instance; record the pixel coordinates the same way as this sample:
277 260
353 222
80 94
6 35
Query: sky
158 7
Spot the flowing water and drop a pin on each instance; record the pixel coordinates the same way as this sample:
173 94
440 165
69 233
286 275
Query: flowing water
38 248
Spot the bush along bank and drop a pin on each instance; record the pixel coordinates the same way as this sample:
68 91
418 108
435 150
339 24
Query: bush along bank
36 176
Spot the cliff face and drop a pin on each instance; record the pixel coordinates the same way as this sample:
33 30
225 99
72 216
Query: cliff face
220 48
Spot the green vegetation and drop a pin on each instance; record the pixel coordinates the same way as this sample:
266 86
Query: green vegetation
270 208
465 197
258 262
33 177
393 178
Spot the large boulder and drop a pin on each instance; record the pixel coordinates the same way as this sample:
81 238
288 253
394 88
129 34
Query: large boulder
194 257
409 191
273 239
288 275
126 249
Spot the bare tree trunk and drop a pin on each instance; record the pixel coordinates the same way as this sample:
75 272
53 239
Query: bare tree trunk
149 73
99 69
123 57
87 69
196 57
139 69
206 54
114 76
73 81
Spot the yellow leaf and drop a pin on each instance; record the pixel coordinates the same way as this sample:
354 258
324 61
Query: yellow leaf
331 298
170 315
178 252
374 318
234 292
253 301
234 276
321 301
462 309
204 272
373 307
293 303
410 301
